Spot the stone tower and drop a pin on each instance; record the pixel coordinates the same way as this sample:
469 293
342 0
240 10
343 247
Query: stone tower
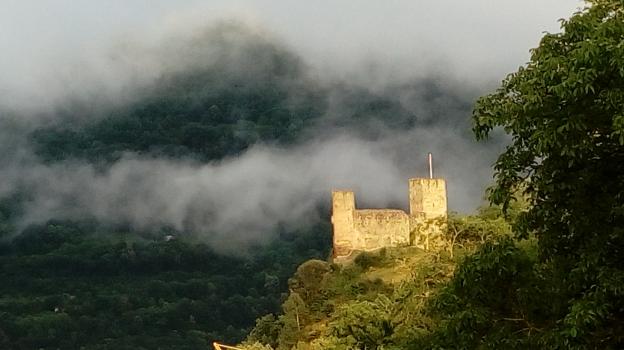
428 212
427 197
343 214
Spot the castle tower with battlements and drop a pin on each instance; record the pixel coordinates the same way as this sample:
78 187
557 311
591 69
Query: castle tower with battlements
371 229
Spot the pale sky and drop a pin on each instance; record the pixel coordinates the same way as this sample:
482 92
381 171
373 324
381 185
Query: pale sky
480 40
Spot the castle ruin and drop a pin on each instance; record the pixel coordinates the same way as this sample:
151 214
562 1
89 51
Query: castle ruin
370 229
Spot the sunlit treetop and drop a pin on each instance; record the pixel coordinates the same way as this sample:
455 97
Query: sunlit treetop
564 110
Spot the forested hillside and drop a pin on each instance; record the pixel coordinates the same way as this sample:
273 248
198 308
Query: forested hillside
70 285
208 112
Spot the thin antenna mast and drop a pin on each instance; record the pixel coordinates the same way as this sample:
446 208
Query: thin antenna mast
430 166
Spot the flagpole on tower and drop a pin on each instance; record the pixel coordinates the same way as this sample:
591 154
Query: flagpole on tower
430 165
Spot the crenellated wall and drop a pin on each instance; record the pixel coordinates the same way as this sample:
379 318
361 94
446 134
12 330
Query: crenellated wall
371 229
381 228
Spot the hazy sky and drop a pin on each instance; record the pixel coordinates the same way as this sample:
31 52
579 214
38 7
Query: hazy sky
478 40
52 52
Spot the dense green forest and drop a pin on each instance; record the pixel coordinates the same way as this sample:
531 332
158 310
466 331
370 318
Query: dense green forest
71 285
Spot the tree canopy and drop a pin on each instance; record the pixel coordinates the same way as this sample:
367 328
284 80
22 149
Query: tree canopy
565 113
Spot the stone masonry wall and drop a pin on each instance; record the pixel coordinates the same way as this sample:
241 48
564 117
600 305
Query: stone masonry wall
382 228
371 229
428 212
346 239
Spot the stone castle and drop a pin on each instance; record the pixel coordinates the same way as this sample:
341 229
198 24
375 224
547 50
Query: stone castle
370 229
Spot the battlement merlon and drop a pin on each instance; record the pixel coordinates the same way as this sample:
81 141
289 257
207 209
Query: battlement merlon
343 200
343 217
427 197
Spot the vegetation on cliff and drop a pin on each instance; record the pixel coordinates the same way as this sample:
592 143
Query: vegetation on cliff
564 113
400 298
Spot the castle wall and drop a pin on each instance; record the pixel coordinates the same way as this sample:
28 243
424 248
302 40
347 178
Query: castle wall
428 197
382 228
370 229
428 211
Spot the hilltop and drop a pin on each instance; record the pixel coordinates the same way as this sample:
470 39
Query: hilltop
390 298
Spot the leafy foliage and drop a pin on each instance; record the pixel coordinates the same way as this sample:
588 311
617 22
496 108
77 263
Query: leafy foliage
351 308
564 112
482 306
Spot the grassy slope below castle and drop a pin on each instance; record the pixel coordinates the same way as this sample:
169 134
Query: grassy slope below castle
400 298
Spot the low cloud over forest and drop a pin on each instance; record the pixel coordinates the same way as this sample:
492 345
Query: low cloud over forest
229 130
